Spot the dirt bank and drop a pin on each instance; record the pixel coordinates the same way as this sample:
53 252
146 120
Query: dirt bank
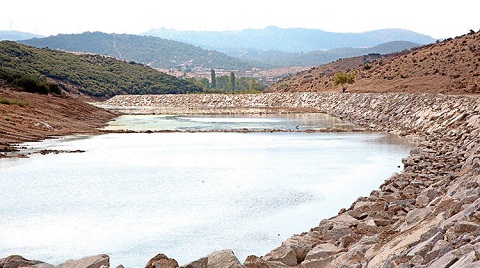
41 116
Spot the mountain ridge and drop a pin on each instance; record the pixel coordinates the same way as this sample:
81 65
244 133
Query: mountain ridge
289 39
318 57
152 51
17 35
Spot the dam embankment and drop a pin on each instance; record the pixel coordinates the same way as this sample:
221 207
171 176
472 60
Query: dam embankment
427 215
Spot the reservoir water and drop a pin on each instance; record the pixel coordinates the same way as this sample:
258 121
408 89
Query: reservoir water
135 195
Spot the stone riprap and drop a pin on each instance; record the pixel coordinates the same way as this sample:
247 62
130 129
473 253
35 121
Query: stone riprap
428 215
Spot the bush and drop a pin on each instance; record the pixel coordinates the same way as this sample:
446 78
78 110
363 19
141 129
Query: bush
21 103
343 79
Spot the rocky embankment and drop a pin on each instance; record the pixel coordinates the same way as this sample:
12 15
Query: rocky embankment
426 216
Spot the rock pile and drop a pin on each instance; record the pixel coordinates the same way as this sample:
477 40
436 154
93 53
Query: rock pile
426 216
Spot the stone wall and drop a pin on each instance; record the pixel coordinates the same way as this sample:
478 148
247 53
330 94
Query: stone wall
426 216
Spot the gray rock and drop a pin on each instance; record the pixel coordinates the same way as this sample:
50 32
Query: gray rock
467 227
425 246
317 263
321 251
15 261
88 262
223 259
283 254
465 260
418 214
200 263
256 262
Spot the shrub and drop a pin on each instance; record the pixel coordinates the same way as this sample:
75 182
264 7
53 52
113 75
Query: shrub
343 79
21 103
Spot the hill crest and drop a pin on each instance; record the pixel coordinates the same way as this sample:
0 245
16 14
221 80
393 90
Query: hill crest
289 39
91 75
152 51
450 67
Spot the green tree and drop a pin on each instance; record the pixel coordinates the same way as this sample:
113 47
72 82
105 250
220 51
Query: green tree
213 78
343 79
232 81
223 82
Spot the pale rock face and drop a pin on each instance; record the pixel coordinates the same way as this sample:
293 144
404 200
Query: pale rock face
15 261
321 251
223 259
88 262
285 255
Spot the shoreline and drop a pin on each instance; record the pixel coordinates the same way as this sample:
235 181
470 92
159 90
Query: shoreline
44 117
427 215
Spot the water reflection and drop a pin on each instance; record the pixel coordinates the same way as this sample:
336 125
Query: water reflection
308 121
135 195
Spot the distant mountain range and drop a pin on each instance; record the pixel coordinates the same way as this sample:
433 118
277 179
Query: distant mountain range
244 50
318 57
152 51
16 35
289 40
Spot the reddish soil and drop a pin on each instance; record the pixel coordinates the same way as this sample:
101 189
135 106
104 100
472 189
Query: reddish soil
448 67
45 116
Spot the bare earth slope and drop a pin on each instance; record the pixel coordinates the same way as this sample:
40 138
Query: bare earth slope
45 116
450 67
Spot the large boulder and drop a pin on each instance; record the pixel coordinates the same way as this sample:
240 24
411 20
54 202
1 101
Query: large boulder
283 254
256 262
321 251
223 259
161 261
200 263
16 261
97 261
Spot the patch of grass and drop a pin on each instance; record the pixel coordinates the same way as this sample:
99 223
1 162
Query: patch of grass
21 103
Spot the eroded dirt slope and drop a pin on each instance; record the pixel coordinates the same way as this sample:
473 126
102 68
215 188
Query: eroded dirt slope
44 116
449 67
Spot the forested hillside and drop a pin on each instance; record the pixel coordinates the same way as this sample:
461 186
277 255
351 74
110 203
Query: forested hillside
91 75
152 51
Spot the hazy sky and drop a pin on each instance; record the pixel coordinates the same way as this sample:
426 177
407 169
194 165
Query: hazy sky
437 18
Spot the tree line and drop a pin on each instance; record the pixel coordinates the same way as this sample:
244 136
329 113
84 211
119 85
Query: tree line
227 84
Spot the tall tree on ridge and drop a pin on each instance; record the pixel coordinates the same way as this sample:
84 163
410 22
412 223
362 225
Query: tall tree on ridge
214 79
232 80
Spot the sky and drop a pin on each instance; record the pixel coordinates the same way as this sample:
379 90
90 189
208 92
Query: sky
437 18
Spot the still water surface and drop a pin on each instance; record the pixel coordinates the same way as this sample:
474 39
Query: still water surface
133 196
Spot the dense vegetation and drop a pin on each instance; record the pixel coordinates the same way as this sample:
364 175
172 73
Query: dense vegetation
152 51
228 84
93 75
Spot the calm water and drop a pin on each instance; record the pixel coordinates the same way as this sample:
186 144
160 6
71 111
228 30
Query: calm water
313 121
183 194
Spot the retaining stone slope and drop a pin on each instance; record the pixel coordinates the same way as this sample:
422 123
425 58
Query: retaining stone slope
426 216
